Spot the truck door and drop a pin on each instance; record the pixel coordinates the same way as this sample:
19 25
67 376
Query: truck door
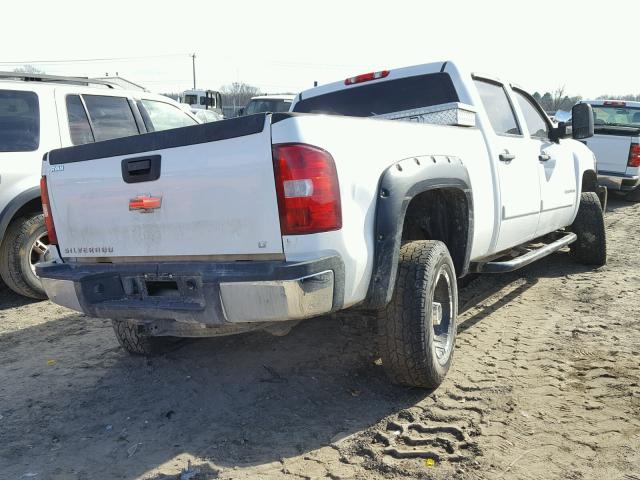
556 167
516 165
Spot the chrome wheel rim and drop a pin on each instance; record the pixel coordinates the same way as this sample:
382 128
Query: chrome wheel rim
38 249
442 316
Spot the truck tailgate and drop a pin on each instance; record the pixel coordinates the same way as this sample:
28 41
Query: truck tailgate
612 151
214 195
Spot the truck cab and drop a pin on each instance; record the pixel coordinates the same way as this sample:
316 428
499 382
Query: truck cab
616 144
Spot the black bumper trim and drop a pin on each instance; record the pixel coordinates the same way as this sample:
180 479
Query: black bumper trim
118 290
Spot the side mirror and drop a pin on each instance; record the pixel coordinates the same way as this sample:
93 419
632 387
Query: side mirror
582 121
240 112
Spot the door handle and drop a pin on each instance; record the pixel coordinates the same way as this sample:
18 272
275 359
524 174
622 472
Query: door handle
543 157
141 169
506 156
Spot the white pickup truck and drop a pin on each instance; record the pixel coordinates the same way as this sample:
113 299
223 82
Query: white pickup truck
616 144
264 220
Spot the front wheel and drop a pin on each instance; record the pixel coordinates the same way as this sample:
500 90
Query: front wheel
417 329
591 246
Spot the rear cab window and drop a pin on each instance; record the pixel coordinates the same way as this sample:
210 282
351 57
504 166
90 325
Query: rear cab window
384 97
267 105
616 115
19 121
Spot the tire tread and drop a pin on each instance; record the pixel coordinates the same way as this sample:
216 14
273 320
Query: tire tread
135 342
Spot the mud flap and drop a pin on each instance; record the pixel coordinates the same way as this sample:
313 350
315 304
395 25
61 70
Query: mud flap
603 195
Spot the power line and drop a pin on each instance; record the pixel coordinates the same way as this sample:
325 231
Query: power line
94 60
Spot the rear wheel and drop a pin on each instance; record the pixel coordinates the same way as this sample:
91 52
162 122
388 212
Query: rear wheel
24 245
132 337
418 328
591 246
633 195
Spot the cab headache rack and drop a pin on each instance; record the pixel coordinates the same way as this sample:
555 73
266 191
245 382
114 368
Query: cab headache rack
40 77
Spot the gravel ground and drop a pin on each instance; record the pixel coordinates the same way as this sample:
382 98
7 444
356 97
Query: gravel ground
545 384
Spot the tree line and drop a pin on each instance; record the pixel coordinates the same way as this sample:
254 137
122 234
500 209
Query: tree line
551 102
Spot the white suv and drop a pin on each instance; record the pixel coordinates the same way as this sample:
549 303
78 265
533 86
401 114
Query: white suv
39 113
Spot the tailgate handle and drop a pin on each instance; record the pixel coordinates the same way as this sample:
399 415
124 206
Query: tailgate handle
141 169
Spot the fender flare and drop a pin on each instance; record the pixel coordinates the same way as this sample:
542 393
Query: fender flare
399 184
14 206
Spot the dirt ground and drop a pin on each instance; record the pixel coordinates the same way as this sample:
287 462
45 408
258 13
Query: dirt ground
545 385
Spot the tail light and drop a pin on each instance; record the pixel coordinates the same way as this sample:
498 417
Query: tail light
634 155
615 103
366 77
145 203
46 210
307 189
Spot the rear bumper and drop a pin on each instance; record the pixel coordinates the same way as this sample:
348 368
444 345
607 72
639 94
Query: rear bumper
209 293
618 181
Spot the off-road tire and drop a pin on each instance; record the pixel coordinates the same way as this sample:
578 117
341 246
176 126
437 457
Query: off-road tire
134 340
405 326
15 256
633 195
591 246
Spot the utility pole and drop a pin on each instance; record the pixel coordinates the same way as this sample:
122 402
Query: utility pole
193 58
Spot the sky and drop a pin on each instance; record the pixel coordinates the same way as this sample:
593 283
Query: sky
280 46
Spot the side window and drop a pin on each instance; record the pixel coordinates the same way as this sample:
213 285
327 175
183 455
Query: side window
19 121
111 117
532 117
164 116
498 108
79 127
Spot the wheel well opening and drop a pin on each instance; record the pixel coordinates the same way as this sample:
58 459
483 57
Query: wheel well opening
31 207
443 215
589 181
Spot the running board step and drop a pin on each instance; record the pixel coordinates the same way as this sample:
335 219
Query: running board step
526 259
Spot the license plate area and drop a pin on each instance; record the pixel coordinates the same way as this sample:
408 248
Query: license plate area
186 288
162 288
